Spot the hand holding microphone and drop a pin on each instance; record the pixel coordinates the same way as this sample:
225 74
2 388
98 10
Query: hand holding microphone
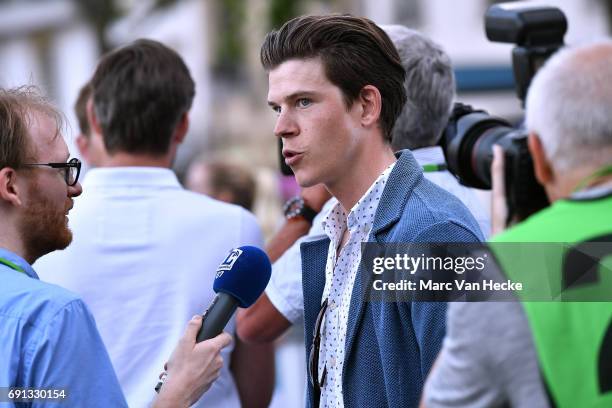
192 367
240 280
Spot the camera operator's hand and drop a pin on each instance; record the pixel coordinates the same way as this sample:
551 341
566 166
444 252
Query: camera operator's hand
192 367
499 208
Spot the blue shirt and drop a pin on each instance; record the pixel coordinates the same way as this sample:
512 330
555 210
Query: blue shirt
48 339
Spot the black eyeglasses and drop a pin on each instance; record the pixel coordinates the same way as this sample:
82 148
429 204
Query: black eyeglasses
71 169
313 358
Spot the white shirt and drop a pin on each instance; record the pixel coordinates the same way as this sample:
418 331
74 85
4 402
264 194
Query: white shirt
144 256
285 287
446 180
340 272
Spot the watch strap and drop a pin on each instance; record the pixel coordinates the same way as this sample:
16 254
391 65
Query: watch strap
296 207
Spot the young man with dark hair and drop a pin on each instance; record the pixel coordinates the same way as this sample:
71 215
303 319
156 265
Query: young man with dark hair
50 344
150 246
430 90
336 84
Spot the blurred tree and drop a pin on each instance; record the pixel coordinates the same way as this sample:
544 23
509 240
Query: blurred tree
282 10
230 45
99 13
164 3
608 6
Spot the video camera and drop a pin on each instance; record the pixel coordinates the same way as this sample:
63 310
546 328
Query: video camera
470 134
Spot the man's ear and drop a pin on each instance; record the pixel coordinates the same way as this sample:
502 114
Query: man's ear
83 143
92 118
9 190
181 129
541 166
371 102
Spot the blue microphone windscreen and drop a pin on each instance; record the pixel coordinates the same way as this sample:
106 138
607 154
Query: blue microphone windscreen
244 274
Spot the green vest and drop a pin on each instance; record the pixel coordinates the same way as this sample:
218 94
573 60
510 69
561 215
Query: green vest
573 339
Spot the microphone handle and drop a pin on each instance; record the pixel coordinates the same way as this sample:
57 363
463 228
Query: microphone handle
214 320
216 316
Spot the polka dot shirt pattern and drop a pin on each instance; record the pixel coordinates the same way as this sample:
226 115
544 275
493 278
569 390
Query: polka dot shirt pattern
340 273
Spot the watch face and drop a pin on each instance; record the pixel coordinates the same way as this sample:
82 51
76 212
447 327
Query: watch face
294 207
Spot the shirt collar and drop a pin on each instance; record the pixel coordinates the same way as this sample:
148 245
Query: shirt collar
15 259
362 213
130 177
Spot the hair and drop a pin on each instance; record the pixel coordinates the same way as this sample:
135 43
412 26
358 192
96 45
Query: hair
16 108
235 179
140 93
569 104
80 109
430 89
354 52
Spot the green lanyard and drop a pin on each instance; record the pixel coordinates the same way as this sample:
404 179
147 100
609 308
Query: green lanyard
602 172
430 168
11 265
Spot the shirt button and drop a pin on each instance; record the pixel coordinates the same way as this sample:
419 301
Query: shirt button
332 361
332 305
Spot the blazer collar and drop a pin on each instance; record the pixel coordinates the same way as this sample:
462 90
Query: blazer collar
404 176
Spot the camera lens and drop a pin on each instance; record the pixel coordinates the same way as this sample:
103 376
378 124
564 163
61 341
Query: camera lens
469 144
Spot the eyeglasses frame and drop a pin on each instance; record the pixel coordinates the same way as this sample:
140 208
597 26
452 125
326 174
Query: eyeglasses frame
72 163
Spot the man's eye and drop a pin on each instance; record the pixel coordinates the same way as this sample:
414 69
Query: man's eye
304 102
276 109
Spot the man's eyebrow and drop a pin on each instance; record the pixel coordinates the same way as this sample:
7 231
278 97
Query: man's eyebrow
295 95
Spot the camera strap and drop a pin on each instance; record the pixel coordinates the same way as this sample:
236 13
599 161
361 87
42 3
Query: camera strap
588 181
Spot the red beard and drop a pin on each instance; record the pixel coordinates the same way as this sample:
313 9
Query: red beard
44 228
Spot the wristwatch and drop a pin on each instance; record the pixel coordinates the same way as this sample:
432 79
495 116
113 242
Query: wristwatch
296 207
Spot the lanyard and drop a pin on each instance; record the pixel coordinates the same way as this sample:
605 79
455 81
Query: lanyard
602 172
11 265
430 168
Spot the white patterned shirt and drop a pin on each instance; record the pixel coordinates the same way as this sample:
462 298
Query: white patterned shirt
340 273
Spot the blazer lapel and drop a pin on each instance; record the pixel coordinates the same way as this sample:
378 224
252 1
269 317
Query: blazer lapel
314 257
404 176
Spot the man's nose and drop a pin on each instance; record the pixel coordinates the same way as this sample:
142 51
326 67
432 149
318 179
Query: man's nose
75 191
285 125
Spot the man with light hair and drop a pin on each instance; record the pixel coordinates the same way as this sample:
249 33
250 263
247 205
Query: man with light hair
527 353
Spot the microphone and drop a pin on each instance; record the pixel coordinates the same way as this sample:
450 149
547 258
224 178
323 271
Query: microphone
240 279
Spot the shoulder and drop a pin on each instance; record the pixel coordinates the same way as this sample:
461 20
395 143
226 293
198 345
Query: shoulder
433 214
484 370
37 302
55 331
543 225
195 207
